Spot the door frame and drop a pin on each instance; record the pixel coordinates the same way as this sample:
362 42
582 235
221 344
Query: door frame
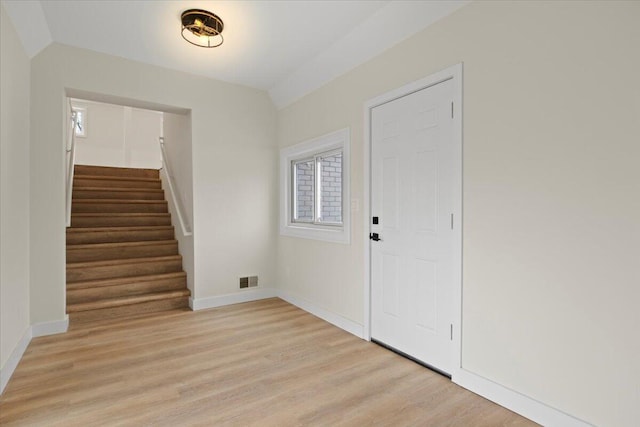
453 73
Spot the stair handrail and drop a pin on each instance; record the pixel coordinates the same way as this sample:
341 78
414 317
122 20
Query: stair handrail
177 203
70 148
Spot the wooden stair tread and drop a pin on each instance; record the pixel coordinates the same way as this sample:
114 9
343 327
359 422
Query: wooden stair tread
128 300
129 193
98 290
119 214
99 251
130 311
102 251
113 234
85 246
88 264
118 206
116 229
115 170
87 284
117 190
115 178
81 271
119 201
119 219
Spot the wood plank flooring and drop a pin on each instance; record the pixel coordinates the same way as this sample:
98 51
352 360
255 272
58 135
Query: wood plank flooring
264 363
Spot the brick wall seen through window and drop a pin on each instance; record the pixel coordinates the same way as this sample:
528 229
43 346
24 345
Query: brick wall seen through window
331 184
304 191
318 200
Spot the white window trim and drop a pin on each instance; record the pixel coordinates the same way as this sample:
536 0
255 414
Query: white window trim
339 140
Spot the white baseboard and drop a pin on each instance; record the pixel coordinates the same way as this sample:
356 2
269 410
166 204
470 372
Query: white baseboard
518 403
262 293
14 359
326 315
235 298
33 331
503 396
50 328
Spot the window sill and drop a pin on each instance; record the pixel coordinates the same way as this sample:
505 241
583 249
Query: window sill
317 232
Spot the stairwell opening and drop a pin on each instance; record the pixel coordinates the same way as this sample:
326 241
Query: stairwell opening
128 250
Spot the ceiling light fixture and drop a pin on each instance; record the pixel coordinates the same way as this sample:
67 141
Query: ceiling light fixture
202 28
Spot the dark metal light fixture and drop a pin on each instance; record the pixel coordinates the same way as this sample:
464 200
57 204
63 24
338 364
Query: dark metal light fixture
202 28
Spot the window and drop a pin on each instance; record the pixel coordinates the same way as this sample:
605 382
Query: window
317 189
81 121
314 188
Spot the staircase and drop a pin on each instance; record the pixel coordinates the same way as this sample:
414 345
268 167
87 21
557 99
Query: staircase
122 256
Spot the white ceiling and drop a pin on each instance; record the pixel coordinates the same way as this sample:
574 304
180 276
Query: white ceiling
288 48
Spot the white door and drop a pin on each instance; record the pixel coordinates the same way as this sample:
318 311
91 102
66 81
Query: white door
412 271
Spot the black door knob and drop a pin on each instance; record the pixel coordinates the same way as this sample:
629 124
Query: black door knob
375 237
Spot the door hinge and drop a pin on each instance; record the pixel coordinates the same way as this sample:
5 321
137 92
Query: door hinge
452 110
452 221
451 331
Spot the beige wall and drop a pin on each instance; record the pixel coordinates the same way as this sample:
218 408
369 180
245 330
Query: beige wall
551 196
14 190
142 128
234 168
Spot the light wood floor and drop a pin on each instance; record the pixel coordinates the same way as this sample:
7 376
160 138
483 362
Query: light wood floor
264 363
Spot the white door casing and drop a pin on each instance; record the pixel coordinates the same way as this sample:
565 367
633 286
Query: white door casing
415 269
